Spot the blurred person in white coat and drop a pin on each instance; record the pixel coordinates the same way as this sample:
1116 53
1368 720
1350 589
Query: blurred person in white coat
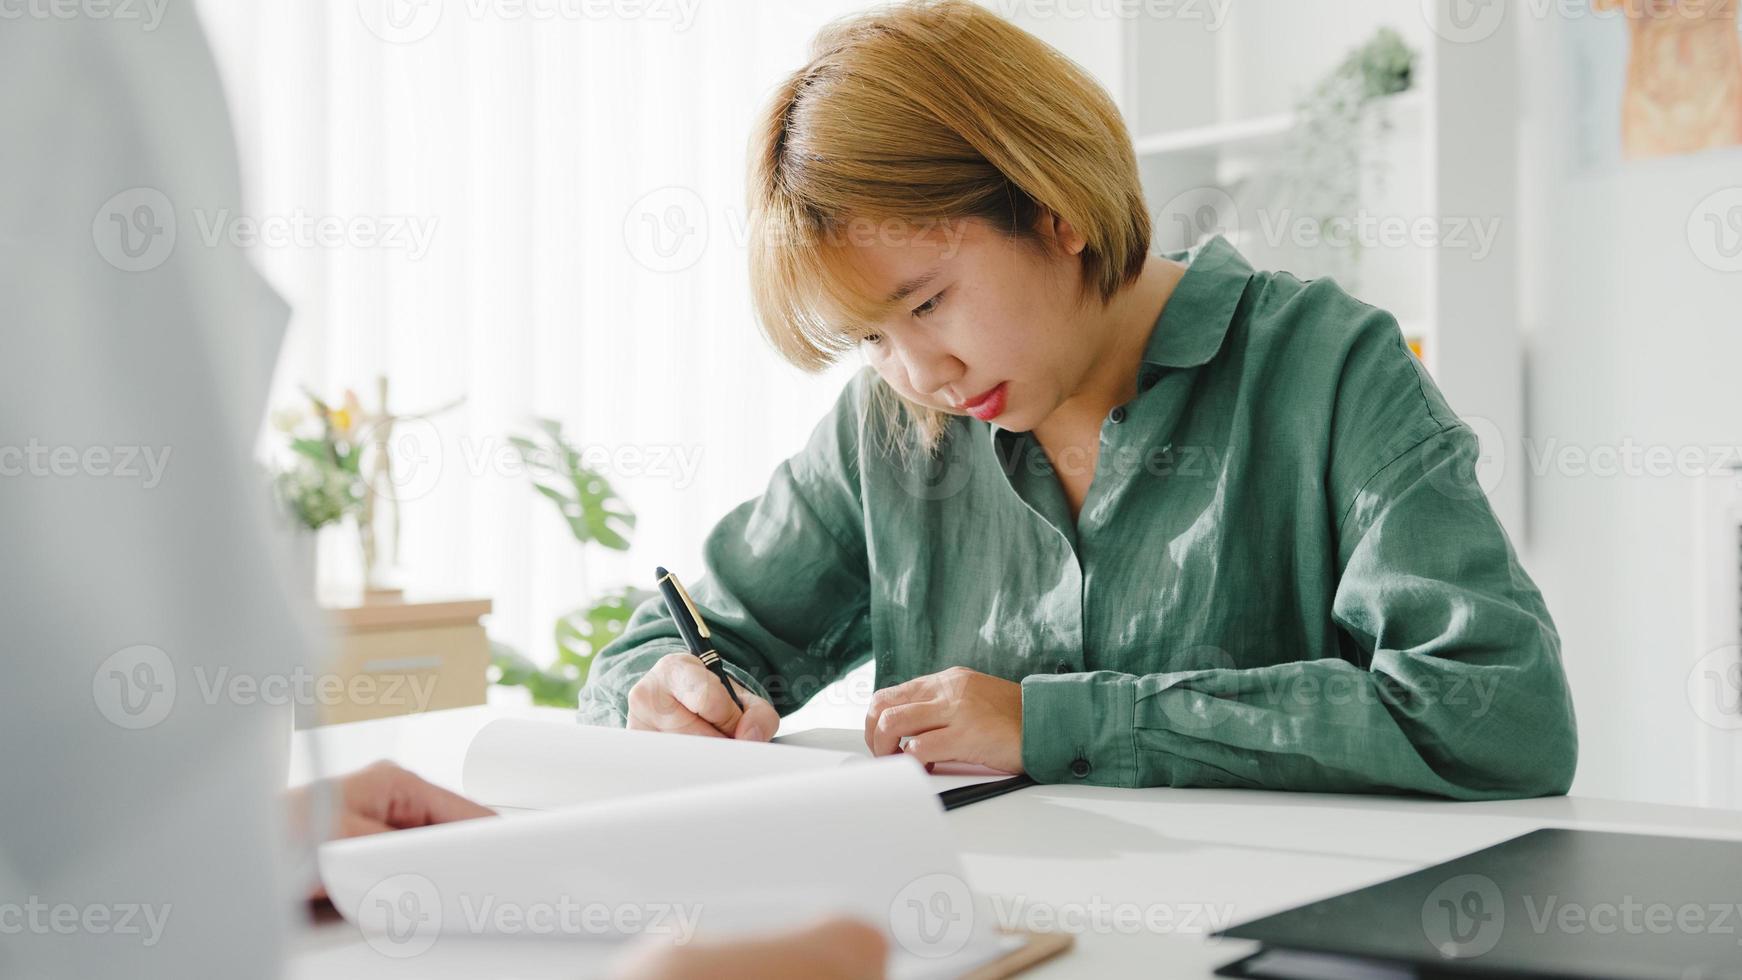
143 828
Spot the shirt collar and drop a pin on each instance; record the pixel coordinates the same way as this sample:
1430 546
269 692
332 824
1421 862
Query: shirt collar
1195 320
1191 326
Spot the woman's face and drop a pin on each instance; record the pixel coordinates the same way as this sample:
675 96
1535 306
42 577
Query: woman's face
989 326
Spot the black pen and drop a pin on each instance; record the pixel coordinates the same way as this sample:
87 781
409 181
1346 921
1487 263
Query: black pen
695 632
975 792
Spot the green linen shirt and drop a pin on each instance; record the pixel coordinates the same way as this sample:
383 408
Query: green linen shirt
1284 574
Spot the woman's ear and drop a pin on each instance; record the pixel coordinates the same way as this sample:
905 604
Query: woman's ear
1061 234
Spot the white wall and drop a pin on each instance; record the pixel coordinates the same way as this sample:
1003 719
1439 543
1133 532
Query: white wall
1630 337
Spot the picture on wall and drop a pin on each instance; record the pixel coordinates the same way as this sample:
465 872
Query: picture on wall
1655 78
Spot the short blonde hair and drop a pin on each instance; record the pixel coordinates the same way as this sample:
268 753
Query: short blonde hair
925 113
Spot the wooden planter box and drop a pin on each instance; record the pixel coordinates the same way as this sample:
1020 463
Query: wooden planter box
399 658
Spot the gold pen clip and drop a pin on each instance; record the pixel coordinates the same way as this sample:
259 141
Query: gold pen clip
684 594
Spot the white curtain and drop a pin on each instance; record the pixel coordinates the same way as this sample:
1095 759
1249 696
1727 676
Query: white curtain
457 194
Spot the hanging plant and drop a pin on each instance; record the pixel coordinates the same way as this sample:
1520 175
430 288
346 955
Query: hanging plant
1337 127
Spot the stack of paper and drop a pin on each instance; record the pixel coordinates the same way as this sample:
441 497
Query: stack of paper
627 834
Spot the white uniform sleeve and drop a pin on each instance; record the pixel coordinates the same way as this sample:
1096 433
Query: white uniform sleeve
139 787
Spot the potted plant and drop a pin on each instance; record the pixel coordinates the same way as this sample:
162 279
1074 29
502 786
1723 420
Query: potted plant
595 515
341 464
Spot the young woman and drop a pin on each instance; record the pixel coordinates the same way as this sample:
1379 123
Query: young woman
1099 516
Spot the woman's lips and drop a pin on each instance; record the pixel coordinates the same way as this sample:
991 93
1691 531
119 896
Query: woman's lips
988 406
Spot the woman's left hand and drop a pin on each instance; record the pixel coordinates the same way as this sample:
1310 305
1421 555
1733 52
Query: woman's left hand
956 715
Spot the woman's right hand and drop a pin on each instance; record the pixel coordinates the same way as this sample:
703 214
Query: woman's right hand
680 695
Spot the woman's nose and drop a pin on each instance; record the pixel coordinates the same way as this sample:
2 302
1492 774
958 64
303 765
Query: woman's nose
932 372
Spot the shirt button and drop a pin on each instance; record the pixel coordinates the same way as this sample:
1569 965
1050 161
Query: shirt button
1080 768
1062 667
1118 415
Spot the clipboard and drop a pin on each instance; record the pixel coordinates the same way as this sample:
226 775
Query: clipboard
1038 948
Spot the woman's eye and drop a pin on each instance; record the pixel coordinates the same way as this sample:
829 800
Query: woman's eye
928 307
874 339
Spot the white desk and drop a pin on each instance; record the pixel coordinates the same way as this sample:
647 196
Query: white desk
1139 875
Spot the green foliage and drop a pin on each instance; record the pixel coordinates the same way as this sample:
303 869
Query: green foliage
315 495
594 515
1385 65
323 481
582 633
1336 127
585 499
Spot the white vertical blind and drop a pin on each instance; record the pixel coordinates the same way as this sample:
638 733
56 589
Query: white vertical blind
505 154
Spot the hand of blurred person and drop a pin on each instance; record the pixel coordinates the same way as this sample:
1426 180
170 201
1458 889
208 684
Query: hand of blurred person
383 797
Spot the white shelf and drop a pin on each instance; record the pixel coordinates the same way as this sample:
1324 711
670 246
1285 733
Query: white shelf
1416 328
1208 104
1216 137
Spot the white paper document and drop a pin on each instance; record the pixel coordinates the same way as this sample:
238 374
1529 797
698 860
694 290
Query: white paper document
671 837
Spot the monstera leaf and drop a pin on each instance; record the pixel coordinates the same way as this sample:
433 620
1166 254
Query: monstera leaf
581 634
582 496
595 515
558 686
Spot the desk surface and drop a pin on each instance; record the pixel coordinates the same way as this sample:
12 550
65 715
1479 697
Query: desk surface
1141 876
